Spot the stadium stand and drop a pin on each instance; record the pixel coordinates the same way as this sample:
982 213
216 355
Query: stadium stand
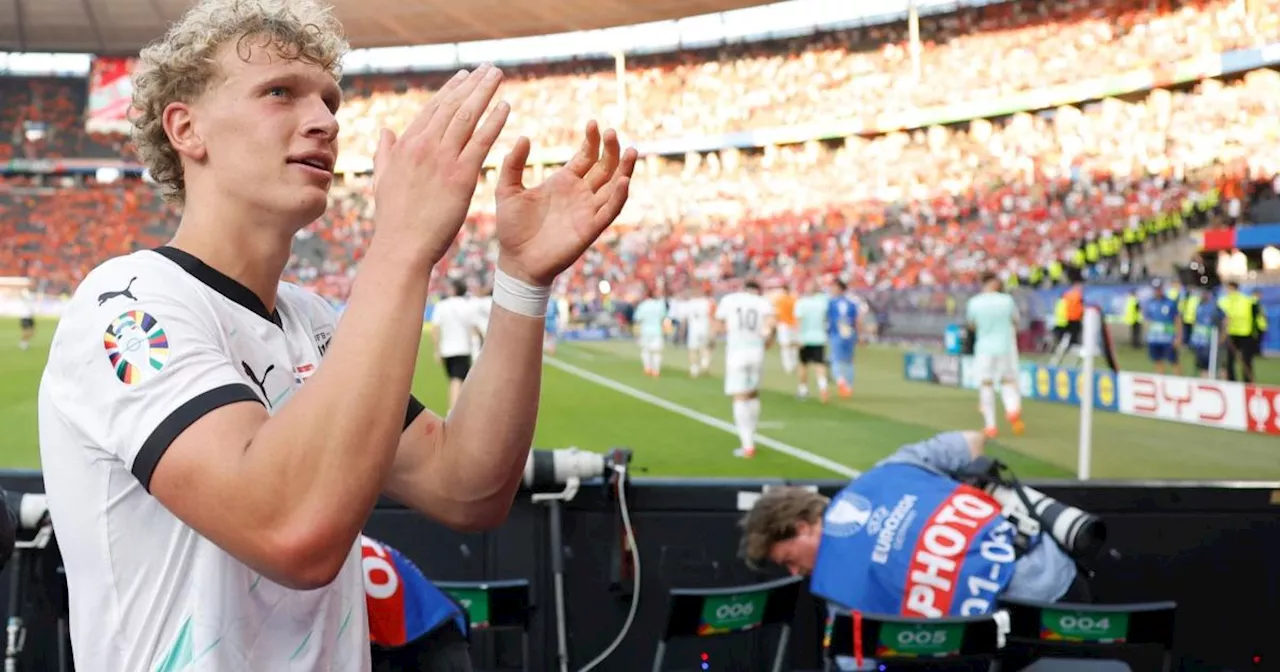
1016 195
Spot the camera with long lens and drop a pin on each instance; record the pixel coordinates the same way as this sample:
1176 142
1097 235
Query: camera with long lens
550 470
1079 533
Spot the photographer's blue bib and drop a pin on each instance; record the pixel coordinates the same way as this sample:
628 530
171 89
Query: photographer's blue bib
403 604
904 540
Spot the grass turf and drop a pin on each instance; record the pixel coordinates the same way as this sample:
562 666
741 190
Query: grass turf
885 412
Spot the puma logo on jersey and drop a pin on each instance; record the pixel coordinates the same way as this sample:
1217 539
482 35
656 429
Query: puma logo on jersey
107 296
260 382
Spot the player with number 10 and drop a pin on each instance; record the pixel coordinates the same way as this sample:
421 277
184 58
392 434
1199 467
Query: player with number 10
746 319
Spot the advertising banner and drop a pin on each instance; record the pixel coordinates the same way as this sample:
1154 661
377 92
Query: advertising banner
948 370
1064 386
1263 404
918 366
110 94
586 334
1196 401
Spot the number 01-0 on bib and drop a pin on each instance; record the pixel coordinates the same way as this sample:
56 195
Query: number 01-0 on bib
903 540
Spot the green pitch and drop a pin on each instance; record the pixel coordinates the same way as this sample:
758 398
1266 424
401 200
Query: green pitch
671 425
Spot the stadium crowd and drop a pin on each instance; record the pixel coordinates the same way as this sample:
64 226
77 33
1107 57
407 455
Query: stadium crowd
932 207
863 72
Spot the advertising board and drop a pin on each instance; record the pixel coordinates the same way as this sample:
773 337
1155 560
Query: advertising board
1066 386
947 370
918 366
586 334
1196 401
1263 405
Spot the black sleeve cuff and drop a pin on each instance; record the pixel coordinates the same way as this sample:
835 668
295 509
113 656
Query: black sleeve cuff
415 409
144 465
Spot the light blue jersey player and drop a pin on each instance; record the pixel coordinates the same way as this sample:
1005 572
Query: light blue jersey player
843 323
811 327
993 317
1160 317
1207 329
650 319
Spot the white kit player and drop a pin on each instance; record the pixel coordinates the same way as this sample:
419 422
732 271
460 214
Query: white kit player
456 325
26 319
746 318
993 317
696 313
650 319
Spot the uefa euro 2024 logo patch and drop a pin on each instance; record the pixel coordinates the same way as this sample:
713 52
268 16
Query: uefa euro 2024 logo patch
846 515
136 346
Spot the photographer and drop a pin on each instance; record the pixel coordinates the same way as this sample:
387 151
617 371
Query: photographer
932 547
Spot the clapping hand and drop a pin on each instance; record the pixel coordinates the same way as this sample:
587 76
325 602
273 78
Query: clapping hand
425 179
543 230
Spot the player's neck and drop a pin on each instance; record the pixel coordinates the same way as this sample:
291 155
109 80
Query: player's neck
245 248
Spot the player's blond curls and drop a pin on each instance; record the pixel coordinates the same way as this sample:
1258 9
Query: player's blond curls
181 65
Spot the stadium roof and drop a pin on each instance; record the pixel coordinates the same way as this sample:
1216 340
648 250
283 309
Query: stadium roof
121 27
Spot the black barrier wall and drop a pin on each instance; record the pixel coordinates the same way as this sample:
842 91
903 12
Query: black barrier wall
1211 547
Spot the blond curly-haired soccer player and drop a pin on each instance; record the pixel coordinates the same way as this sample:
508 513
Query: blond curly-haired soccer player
214 439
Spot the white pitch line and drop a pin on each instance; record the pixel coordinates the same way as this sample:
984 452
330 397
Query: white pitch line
773 444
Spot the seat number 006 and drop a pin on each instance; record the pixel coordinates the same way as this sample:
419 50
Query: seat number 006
734 610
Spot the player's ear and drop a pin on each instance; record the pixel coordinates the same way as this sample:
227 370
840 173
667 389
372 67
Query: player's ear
178 120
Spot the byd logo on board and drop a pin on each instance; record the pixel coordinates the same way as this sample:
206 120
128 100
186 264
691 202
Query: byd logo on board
1191 400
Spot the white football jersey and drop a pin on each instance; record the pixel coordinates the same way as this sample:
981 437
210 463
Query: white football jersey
456 318
697 312
27 308
149 344
746 317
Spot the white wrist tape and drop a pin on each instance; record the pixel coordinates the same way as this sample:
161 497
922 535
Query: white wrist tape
518 296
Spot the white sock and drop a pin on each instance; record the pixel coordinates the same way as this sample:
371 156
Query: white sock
647 357
803 390
1012 398
657 360
754 406
706 360
742 420
788 360
987 397
822 381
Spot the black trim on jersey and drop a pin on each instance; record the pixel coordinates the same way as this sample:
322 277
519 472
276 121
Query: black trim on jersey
220 283
413 411
144 465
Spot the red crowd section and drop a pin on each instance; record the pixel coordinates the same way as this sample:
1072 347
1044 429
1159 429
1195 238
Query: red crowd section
929 207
